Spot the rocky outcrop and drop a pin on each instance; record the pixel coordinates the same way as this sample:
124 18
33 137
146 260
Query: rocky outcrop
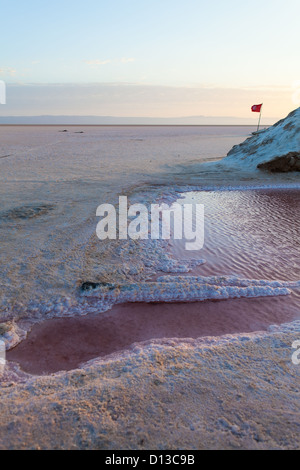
286 163
278 146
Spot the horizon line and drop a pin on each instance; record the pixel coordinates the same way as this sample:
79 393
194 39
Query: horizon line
131 125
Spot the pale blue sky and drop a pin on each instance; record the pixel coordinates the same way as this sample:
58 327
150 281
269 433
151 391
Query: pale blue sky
191 43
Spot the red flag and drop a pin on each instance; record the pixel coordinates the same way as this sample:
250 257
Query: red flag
256 108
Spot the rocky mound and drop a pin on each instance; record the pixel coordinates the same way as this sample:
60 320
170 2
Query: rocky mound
275 149
288 162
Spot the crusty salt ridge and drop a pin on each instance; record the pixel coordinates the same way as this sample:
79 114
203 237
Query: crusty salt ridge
11 334
234 392
186 289
277 141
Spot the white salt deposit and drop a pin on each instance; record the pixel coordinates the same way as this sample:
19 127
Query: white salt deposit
278 140
188 289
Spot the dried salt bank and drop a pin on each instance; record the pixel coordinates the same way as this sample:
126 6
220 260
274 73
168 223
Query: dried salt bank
236 390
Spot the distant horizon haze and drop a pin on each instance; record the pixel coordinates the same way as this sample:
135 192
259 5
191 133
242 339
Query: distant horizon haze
147 102
128 121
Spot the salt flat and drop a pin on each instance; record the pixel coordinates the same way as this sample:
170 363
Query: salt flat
235 391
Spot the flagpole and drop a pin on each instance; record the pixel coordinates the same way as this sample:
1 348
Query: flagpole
259 118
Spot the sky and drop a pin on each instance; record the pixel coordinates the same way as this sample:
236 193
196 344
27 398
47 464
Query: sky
161 58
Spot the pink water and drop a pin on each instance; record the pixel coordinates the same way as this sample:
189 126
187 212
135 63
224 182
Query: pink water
253 234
